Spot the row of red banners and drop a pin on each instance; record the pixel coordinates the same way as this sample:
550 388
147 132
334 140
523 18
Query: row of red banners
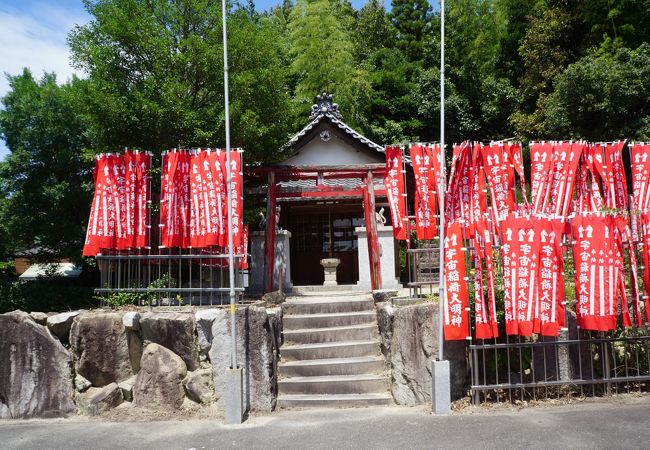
119 216
193 211
572 183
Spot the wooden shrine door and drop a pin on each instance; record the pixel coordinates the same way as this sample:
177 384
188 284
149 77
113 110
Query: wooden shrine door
323 231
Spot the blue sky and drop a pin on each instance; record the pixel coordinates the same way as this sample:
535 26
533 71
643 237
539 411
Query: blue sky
34 35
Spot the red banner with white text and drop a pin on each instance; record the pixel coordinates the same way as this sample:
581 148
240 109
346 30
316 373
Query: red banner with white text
455 304
394 182
426 173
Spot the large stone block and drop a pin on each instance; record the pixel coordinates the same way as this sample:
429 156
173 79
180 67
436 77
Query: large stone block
159 382
59 324
97 400
413 345
385 316
175 331
199 385
35 370
100 345
254 354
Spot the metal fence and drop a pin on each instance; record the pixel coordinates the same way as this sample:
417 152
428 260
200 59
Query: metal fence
576 363
589 365
423 266
180 277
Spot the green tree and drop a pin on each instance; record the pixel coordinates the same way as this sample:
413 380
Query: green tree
622 21
411 19
45 183
373 30
602 97
155 76
393 108
324 62
546 49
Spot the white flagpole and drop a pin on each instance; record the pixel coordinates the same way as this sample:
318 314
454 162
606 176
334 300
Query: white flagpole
234 387
441 379
231 257
441 187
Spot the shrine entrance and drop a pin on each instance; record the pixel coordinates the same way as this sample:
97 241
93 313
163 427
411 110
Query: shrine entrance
323 231
322 199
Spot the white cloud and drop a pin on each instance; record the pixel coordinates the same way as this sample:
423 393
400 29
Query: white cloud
35 37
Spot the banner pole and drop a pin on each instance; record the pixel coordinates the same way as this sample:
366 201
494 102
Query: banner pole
441 188
440 373
234 391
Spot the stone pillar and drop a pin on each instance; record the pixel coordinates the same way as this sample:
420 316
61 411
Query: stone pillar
282 262
387 253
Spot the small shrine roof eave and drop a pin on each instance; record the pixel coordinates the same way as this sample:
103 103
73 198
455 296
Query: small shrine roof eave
349 131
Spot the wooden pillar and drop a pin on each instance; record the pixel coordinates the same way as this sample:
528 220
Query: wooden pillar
269 235
371 232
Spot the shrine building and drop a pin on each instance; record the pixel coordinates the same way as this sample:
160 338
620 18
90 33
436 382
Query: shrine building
327 198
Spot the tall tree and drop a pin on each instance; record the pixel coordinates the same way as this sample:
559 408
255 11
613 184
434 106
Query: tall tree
373 30
155 73
45 183
547 49
411 19
324 61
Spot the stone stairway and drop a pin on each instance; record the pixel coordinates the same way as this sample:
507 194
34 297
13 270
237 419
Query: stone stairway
331 355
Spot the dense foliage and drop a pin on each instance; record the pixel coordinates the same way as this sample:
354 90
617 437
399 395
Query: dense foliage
153 80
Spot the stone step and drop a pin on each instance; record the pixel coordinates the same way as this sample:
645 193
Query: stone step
318 289
330 304
333 366
344 349
333 401
333 334
334 384
301 321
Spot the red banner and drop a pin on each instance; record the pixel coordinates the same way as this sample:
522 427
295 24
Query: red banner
459 189
478 200
142 163
520 252
598 272
500 181
645 257
456 302
566 156
394 182
101 224
201 231
426 175
640 156
485 312
541 156
175 200
550 277
237 185
617 184
516 158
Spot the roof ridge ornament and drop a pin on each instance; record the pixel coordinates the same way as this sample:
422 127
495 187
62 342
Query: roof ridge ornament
325 105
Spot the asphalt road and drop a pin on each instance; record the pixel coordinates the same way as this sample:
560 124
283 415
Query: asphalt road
599 425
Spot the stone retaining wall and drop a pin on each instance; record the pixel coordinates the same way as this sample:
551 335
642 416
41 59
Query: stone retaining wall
409 341
92 361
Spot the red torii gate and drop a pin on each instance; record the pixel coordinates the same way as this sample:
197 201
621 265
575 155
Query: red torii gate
367 194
